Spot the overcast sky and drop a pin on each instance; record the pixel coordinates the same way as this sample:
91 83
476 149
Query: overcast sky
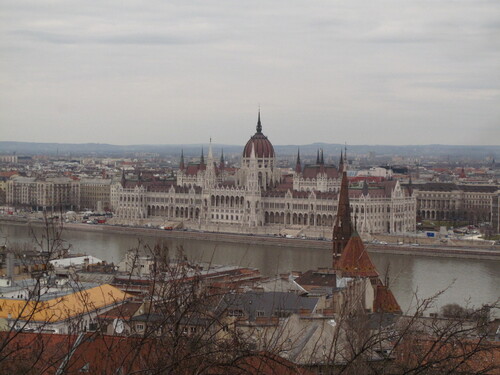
178 72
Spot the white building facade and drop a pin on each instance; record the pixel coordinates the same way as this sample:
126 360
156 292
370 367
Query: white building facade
260 199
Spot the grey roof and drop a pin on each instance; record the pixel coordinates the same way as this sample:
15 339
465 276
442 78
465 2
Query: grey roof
268 303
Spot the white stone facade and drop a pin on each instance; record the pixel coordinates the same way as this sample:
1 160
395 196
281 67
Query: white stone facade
257 203
50 193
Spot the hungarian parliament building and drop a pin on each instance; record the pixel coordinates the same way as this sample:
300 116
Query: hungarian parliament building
258 197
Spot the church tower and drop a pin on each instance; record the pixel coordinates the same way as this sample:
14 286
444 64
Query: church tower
342 229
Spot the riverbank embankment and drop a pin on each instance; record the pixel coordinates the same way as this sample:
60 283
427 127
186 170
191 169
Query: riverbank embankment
491 252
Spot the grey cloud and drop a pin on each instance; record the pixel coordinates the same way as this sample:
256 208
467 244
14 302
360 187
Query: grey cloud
359 65
133 38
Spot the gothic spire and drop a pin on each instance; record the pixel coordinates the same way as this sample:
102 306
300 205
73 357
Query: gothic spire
298 166
252 154
222 163
259 125
342 228
344 167
322 161
123 180
317 157
210 155
410 186
181 164
202 158
341 162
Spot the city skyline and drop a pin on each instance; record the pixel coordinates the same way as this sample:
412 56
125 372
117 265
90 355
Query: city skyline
382 73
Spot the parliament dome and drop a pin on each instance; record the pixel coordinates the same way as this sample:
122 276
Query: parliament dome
263 147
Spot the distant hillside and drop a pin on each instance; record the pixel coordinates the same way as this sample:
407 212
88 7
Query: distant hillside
101 149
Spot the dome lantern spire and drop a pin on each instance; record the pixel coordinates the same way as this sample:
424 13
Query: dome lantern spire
259 125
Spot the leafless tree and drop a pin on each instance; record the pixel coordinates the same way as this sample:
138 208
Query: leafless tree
183 326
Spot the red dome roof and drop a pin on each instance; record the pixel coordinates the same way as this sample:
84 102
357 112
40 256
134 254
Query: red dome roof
262 145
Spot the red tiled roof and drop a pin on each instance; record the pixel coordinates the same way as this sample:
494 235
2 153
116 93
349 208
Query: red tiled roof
8 173
193 169
385 300
125 311
312 171
355 261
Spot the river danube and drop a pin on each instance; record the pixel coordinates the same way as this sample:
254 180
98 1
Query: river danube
467 281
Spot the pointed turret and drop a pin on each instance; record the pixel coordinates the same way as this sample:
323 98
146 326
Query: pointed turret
123 180
354 261
181 164
253 159
222 162
322 159
202 158
342 229
462 173
210 172
259 125
210 156
252 177
345 162
341 163
298 166
384 301
317 157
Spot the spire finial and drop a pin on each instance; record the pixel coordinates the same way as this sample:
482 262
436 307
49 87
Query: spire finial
181 164
345 164
259 124
124 180
210 155
221 164
342 228
298 167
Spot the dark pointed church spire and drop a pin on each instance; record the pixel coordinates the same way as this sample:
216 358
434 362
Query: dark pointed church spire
222 163
123 180
298 166
259 125
202 158
341 162
322 161
344 168
342 228
181 164
317 157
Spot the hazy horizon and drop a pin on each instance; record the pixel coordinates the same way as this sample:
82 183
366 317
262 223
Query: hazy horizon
206 144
